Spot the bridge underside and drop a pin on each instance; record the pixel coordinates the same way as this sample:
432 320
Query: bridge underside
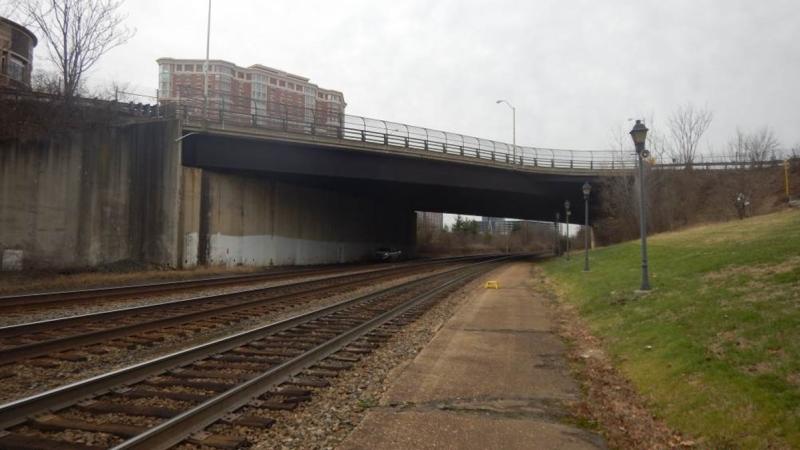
406 182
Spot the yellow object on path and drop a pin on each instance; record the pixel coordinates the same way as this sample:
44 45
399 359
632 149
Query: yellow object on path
492 285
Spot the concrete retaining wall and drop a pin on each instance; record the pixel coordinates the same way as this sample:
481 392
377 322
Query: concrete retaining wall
94 196
252 220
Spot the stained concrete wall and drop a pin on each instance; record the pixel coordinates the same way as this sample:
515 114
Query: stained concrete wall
252 220
108 194
92 196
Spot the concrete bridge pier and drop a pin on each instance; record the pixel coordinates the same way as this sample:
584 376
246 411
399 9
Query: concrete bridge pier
229 218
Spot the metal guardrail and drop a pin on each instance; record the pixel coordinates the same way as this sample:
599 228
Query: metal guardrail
229 112
226 111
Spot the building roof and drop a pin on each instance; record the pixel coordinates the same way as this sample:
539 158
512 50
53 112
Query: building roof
21 28
278 72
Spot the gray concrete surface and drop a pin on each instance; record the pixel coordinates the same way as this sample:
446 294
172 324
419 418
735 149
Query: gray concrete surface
257 220
494 377
92 196
107 194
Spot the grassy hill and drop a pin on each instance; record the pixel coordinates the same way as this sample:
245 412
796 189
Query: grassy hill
715 348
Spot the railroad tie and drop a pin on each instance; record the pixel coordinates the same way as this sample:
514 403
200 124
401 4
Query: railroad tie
216 440
103 407
149 393
52 422
21 442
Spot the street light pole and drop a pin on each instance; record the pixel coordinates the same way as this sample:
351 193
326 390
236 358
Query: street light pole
205 67
587 189
513 127
566 207
639 136
555 230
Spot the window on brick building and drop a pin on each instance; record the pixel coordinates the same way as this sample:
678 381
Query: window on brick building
273 81
282 83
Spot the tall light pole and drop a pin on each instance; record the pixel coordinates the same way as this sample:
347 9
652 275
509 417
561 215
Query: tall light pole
566 208
555 230
639 136
513 127
205 67
587 189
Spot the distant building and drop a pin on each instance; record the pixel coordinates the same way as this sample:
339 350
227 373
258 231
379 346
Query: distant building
430 220
16 54
257 93
496 225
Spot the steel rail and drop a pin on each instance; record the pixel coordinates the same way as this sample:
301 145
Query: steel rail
17 329
41 298
17 412
13 354
38 298
175 430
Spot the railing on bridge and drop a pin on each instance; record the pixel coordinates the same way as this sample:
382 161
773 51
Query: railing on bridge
228 112
243 112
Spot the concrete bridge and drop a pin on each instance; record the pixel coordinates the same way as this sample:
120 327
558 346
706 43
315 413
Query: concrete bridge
199 185
411 167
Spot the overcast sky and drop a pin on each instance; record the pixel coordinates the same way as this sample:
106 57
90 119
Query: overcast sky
575 70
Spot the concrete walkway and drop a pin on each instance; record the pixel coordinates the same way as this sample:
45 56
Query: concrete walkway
494 377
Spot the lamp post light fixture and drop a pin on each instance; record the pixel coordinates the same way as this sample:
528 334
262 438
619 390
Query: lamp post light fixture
566 208
513 127
639 136
587 189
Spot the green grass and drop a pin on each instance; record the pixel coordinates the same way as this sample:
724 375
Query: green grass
723 321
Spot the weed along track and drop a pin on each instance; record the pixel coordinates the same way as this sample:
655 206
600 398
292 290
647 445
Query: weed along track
232 383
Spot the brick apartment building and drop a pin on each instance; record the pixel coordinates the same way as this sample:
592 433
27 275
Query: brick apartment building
257 93
16 54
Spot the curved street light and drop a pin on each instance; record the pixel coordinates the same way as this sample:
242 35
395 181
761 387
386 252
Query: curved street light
513 127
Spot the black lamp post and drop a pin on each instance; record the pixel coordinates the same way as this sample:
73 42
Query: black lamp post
566 208
555 230
587 189
639 135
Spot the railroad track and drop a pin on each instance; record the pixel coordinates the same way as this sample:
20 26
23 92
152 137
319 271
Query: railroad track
48 299
237 381
151 324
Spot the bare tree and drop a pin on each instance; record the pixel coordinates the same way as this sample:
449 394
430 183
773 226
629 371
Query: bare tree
78 33
762 145
46 81
687 124
737 147
12 9
755 148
